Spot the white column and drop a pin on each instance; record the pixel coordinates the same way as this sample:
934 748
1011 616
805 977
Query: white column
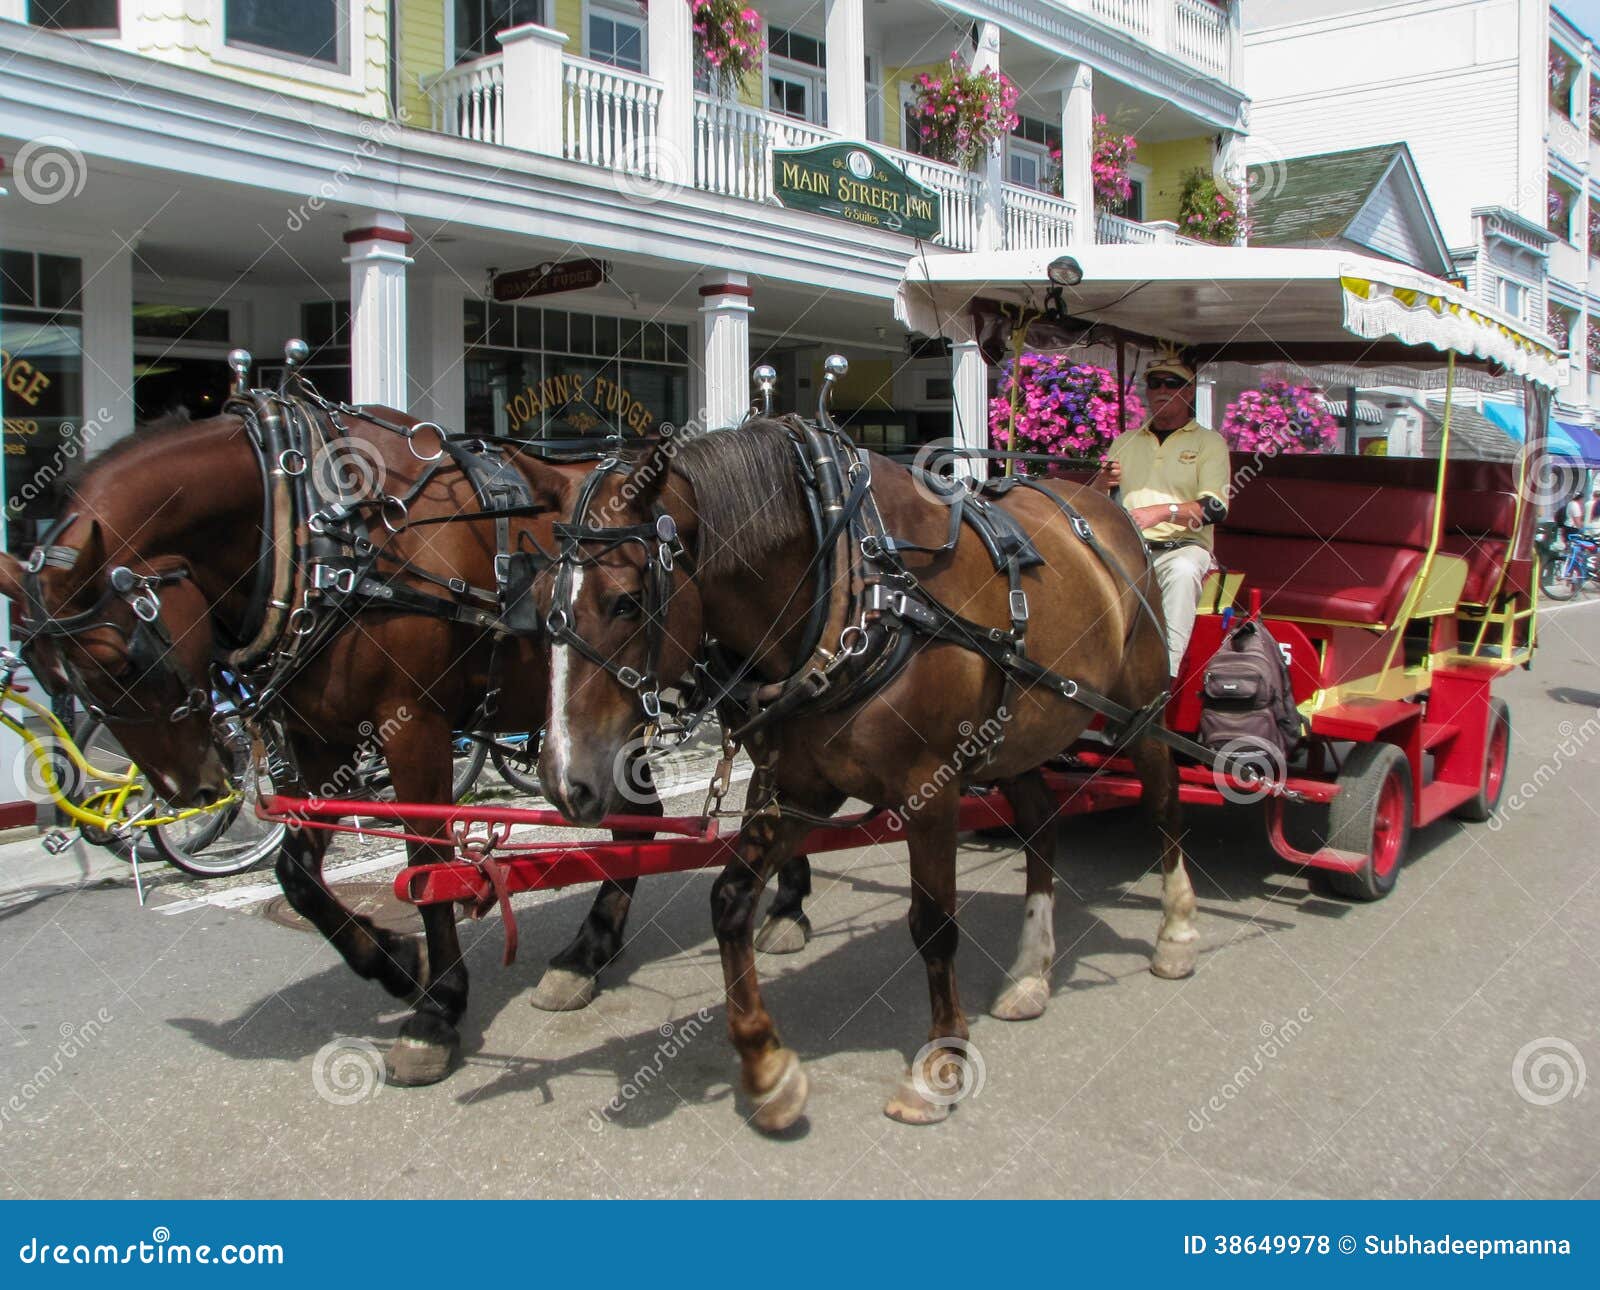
378 263
725 311
1077 150
533 88
671 61
846 35
107 348
991 209
970 411
14 10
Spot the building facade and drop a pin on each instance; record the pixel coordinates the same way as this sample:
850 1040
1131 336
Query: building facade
1494 99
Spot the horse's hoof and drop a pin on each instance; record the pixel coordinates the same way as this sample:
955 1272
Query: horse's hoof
417 1059
785 1099
1022 1000
1174 960
783 935
562 990
910 1105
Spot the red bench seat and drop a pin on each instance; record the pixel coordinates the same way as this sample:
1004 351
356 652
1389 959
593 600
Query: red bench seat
1327 549
1478 527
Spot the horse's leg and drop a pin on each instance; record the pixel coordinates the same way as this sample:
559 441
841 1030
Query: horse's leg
417 748
936 1077
1177 945
569 982
770 1073
1028 990
787 929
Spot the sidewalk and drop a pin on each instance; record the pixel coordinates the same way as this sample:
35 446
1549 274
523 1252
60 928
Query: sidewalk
26 866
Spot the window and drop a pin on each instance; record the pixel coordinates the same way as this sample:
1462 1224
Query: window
1028 153
308 29
795 81
874 100
74 15
617 38
181 323
1513 298
478 22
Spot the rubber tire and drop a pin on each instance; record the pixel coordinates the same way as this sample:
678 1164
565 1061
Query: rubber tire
1353 818
466 768
1481 807
511 771
1548 580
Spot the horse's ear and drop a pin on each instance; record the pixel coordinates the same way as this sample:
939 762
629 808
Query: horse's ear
650 471
10 576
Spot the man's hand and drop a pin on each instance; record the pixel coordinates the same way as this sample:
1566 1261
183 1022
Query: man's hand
1110 476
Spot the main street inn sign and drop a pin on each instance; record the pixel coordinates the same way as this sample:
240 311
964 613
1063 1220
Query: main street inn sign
853 182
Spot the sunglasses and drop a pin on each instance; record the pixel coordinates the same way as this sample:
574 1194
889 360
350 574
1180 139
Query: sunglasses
1165 383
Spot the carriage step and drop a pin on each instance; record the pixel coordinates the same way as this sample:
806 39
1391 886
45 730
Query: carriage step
1437 733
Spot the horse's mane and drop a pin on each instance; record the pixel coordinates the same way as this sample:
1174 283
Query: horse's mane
747 495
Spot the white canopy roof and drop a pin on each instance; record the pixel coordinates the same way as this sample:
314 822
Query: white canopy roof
1240 303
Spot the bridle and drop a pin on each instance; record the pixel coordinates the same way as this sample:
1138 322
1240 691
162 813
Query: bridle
148 644
582 544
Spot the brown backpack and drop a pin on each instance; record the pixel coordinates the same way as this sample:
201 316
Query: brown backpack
1247 695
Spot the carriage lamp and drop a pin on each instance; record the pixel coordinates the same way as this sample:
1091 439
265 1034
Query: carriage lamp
1064 271
239 362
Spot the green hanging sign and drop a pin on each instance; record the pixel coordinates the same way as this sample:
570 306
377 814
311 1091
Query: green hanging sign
852 182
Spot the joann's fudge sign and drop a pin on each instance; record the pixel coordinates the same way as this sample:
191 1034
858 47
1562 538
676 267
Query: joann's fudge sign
851 182
549 278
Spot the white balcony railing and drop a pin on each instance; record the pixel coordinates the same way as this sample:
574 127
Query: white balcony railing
609 117
1200 35
1035 220
1132 16
1113 230
469 100
962 194
733 146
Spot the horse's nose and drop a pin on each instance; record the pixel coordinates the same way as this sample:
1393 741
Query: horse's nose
583 802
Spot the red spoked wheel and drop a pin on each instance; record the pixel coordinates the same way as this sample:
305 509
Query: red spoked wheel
1497 756
1372 817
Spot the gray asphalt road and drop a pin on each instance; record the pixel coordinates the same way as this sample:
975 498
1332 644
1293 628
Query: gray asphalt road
1441 1043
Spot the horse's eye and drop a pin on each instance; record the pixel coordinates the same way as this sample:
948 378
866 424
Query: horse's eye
629 606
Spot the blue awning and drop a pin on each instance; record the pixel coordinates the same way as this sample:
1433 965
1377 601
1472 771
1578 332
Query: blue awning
1565 438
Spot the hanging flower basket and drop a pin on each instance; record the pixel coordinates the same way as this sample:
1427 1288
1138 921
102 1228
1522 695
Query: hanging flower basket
1561 69
1594 107
1209 211
727 42
960 114
1109 166
1063 408
1558 213
1594 228
1278 418
1593 348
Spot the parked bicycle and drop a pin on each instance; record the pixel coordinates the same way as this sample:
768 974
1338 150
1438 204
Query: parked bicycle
1565 568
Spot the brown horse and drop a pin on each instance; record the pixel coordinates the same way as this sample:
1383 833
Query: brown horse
744 578
183 507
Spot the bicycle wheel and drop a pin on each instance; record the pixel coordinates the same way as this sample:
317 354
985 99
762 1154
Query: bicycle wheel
1555 580
102 751
518 763
241 840
470 753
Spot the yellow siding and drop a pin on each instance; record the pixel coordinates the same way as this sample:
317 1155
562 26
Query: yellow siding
868 384
422 54
893 117
1170 162
568 16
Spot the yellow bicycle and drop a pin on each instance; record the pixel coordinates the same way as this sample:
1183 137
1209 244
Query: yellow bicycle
94 783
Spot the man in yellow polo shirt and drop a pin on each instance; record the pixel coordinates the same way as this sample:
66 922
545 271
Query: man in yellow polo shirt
1173 474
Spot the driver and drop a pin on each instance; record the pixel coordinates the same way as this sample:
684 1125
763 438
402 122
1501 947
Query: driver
1173 474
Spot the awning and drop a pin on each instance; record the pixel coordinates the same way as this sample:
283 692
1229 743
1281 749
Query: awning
1565 438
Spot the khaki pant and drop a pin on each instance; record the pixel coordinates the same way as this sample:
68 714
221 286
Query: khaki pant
1180 573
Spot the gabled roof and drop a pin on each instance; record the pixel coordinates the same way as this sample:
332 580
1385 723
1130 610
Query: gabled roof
1366 198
